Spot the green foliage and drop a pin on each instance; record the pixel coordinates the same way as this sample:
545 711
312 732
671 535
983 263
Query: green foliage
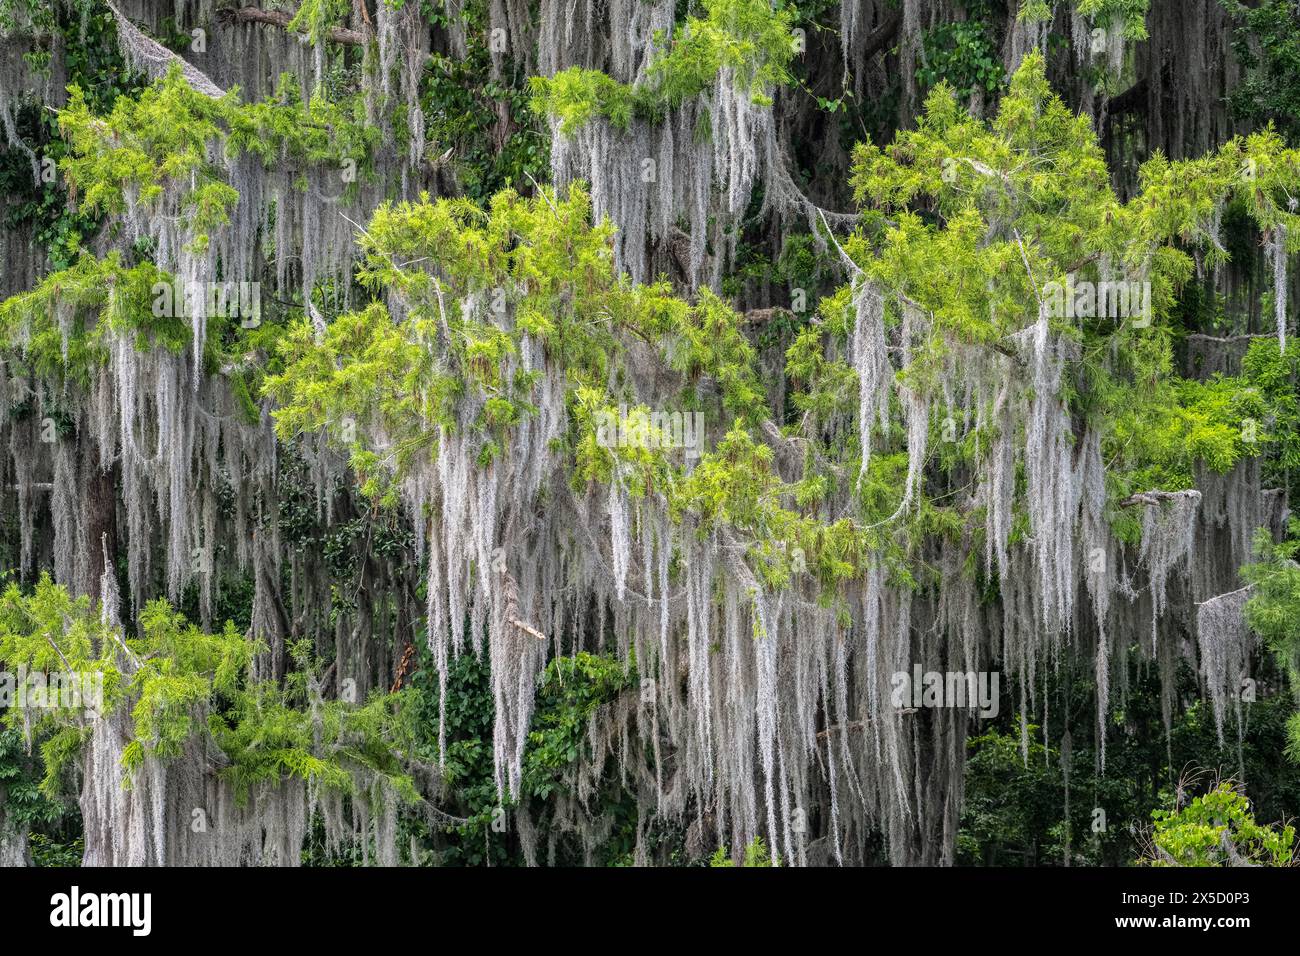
1009 206
159 145
1015 809
272 733
543 260
540 258
142 300
1131 14
55 224
1266 44
578 95
315 17
59 330
1012 803
49 852
963 54
1273 609
465 113
756 854
971 221
178 681
748 37
22 800
465 765
143 144
1218 829
572 689
84 34
179 670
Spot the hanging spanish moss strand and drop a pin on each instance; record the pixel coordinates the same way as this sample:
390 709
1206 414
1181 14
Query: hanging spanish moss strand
1277 248
1225 644
871 361
150 57
1168 530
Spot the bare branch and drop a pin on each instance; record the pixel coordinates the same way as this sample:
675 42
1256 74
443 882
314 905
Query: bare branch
1155 497
278 18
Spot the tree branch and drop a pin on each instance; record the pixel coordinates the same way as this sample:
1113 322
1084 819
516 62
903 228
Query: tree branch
278 18
764 316
1132 98
147 55
1155 497
1227 339
882 34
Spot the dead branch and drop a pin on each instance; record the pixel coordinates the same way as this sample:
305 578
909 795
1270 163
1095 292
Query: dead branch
278 18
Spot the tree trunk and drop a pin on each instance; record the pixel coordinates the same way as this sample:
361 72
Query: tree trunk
13 840
101 526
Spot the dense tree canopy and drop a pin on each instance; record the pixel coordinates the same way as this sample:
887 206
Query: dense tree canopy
735 432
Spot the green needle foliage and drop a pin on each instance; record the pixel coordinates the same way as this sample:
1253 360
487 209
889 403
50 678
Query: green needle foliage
748 37
178 682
